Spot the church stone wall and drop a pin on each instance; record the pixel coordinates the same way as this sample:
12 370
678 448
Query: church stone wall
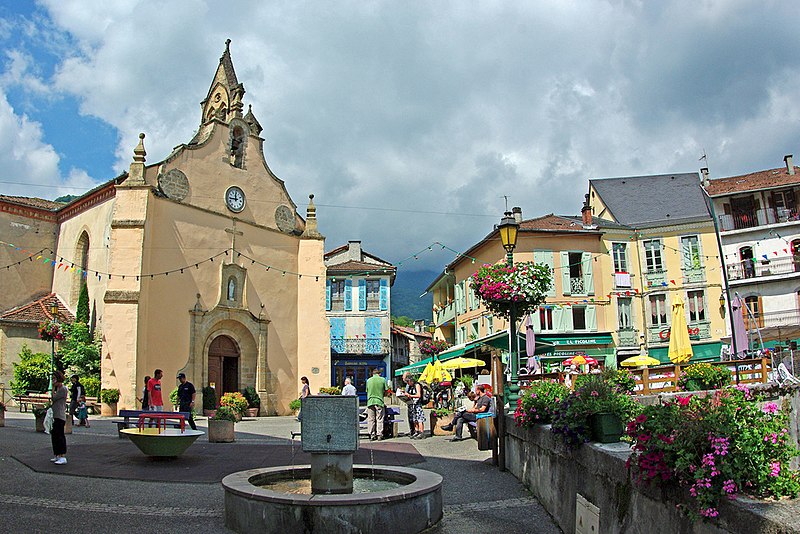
30 279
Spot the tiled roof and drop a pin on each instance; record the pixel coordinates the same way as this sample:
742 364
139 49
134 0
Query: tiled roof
554 222
38 311
361 266
33 202
754 181
410 331
648 201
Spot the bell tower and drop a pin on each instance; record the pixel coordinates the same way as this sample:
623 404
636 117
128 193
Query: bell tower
224 99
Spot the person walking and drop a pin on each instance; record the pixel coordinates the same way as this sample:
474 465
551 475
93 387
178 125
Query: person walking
349 389
145 399
305 391
416 417
154 392
58 398
376 407
186 395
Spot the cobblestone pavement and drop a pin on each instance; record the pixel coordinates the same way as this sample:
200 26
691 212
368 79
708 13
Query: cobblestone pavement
477 497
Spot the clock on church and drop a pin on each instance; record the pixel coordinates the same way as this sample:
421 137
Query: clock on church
234 199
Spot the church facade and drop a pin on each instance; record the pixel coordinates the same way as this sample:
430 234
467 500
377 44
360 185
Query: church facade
198 263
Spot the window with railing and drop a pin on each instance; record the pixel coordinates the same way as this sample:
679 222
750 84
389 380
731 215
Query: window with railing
373 294
690 252
489 325
624 313
652 256
696 305
576 284
658 310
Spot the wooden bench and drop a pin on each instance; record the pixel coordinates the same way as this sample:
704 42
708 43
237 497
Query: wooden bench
130 419
31 400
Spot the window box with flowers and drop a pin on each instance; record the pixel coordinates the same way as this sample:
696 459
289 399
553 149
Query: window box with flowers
715 447
523 286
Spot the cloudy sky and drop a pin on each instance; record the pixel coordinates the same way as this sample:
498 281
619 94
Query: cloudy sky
409 121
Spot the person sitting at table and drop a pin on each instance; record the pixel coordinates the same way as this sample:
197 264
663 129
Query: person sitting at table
482 404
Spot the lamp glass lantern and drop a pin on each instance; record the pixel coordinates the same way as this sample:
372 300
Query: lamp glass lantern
508 229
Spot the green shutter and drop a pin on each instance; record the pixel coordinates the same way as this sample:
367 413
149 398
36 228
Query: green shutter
586 267
545 257
591 318
565 325
565 286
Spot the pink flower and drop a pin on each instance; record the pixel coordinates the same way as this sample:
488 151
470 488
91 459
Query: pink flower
641 418
595 394
770 407
709 512
775 469
684 401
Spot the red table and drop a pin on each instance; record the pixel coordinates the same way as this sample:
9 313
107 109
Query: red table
161 419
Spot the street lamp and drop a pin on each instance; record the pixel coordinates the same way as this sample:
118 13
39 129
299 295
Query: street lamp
54 313
432 330
508 229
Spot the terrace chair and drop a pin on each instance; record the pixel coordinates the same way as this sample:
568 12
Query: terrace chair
785 377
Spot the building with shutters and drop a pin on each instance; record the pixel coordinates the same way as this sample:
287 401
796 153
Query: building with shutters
573 319
661 244
758 216
358 307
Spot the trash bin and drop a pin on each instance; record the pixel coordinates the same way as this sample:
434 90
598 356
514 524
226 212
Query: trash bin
486 433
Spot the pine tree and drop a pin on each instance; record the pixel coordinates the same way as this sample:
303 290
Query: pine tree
83 306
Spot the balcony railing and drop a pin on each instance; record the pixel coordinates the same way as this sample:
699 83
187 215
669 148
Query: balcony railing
773 319
660 333
445 314
755 218
756 268
628 337
576 286
655 278
693 275
360 346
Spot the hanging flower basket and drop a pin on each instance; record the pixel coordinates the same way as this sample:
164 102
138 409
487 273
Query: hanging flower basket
433 347
50 330
523 285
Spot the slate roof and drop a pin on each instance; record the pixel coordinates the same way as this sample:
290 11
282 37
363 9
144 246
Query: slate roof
33 202
648 201
755 181
37 311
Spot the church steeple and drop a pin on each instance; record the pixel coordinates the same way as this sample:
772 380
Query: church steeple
224 98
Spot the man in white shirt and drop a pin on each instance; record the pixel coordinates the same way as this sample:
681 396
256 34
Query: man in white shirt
349 388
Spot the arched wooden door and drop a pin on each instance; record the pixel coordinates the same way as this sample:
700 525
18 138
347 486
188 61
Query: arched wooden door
223 365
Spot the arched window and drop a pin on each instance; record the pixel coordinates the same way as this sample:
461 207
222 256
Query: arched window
237 147
753 316
81 265
796 254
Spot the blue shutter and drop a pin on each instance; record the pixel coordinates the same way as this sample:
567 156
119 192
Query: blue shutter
372 328
327 295
348 295
362 294
384 294
337 334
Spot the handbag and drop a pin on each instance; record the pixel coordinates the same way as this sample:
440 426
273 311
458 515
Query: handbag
48 421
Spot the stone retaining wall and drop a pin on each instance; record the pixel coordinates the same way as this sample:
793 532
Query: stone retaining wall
539 459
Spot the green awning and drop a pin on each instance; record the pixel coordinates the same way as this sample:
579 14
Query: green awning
702 352
588 339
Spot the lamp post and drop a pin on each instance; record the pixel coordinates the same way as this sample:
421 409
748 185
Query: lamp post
508 229
54 313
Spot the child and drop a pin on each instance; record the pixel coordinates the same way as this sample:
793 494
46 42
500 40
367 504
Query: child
83 413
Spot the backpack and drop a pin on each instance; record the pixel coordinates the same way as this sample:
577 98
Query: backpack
426 394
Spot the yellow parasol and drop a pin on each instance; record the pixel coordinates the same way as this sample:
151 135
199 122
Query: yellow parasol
439 373
463 363
639 361
680 348
425 376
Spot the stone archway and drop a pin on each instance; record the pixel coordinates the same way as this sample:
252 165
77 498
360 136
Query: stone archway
223 365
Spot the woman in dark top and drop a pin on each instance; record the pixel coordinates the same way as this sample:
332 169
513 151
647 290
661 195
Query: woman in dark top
304 392
416 417
59 399
76 391
145 400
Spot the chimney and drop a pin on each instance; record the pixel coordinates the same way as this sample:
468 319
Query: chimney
517 214
354 250
586 212
704 180
789 165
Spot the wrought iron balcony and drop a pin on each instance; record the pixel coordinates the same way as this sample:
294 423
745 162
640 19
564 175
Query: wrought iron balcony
360 345
697 330
655 277
757 268
445 313
756 218
576 286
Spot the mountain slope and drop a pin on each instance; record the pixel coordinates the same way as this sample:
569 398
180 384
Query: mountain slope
406 291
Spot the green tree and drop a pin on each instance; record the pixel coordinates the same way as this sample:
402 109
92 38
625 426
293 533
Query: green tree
32 373
83 305
79 353
403 321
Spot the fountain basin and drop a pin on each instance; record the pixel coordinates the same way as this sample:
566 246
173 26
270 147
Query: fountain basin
168 442
413 506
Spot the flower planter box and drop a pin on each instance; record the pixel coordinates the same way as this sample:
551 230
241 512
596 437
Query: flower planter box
108 410
252 412
438 422
209 413
606 427
221 431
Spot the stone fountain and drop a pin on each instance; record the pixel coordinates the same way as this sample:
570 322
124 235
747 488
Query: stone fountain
332 495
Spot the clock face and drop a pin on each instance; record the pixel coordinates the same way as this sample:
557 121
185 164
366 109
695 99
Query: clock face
234 199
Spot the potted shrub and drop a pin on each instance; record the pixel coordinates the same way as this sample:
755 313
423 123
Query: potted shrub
236 402
294 406
38 413
209 401
253 401
333 390
538 403
2 414
173 399
703 376
717 446
221 426
109 399
595 411
439 418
